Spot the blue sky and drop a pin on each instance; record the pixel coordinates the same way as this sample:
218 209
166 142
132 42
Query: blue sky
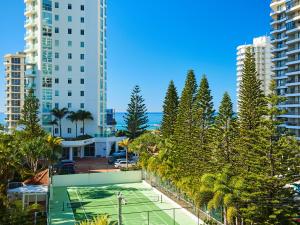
151 42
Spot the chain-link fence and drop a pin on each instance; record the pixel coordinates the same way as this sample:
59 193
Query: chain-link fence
166 187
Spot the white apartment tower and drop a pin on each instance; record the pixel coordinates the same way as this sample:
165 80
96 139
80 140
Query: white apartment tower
285 31
14 71
66 63
261 47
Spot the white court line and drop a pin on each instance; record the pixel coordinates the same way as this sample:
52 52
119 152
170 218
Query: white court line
81 204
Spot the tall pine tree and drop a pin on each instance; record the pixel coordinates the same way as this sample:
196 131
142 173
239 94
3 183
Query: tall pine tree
30 115
203 117
252 109
251 99
169 111
136 118
225 135
183 127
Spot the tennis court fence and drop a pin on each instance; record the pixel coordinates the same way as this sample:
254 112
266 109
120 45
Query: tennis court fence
166 187
148 217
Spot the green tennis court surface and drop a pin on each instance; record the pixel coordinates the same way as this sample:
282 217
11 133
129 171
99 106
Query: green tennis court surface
142 205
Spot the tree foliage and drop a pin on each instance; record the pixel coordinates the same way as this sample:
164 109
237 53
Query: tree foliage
169 111
136 118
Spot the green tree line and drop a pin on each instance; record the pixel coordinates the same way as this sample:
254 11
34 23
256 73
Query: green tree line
239 163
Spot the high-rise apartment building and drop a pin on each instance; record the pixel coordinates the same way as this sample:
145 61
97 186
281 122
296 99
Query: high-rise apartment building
14 71
285 31
261 48
66 66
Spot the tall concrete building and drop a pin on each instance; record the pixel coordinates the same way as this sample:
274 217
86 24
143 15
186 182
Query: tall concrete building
15 85
285 31
66 67
261 48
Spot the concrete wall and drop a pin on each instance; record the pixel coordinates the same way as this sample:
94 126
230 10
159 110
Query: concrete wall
97 178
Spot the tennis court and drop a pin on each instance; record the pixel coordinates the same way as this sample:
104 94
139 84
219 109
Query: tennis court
142 205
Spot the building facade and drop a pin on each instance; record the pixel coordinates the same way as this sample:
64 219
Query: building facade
66 68
285 32
261 48
15 85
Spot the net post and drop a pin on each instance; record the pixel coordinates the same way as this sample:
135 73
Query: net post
148 217
174 216
198 216
63 207
161 199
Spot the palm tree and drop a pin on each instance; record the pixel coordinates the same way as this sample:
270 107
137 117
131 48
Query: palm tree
221 191
53 123
74 117
59 114
125 143
84 115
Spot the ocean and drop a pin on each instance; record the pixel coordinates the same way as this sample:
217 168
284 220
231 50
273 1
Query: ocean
154 120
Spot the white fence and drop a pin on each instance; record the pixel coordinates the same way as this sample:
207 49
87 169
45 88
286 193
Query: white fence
97 178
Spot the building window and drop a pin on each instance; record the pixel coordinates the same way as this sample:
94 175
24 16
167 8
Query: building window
56 43
56 105
69 130
56 80
56 5
82 105
56 55
69 18
81 32
69 31
81 93
82 7
69 55
56 30
56 68
56 130
69 6
70 43
81 130
82 56
69 105
69 68
81 81
81 19
82 44
69 93
56 17
69 81
82 69
56 93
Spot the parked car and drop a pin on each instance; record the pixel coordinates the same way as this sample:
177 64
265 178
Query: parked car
123 164
64 167
120 154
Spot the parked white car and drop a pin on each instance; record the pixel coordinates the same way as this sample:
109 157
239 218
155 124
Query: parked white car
123 164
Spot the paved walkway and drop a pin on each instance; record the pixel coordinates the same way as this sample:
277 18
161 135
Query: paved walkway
93 165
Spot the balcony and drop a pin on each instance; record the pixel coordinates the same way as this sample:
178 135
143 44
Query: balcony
30 73
273 22
30 86
293 72
279 49
275 3
30 48
293 62
30 23
292 7
278 30
30 36
274 40
293 50
30 10
279 58
292 29
292 125
292 115
291 41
